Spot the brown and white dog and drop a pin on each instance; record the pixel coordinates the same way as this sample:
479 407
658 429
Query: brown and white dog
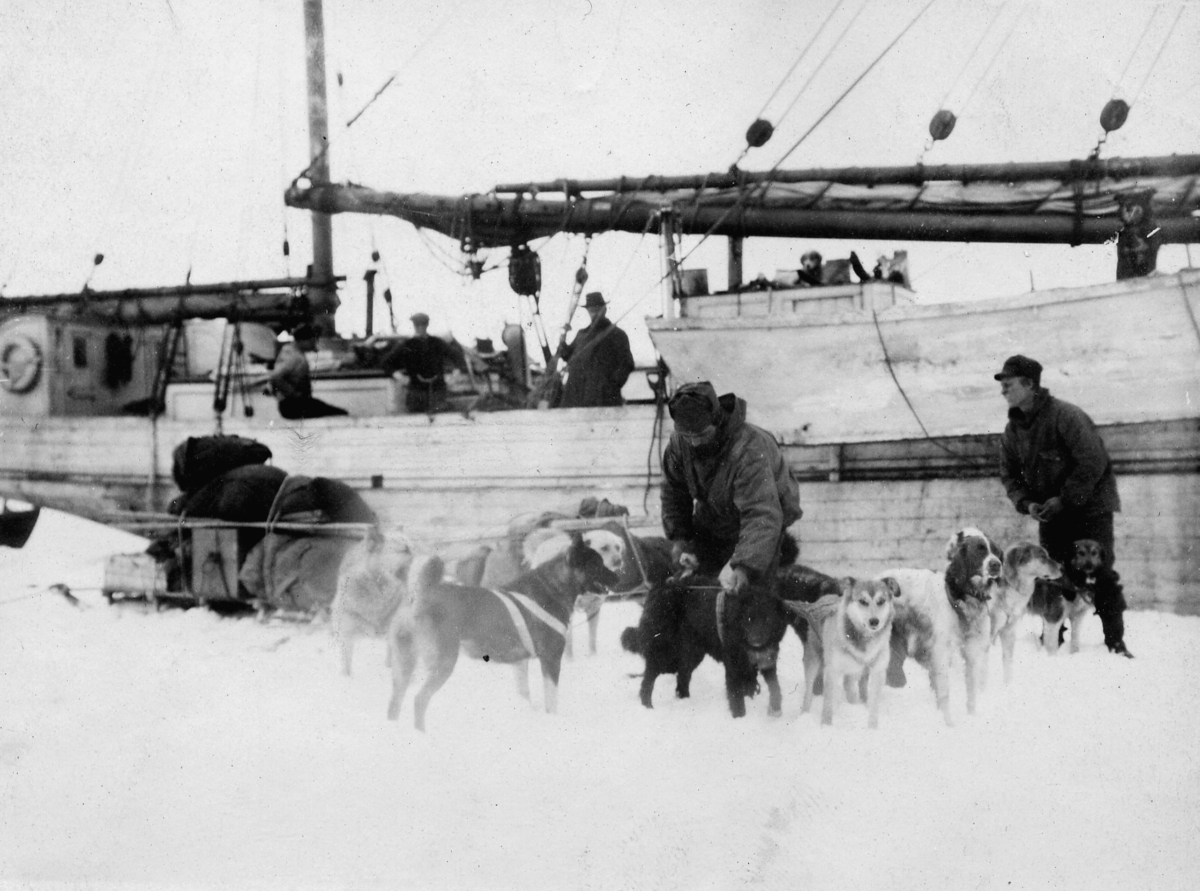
372 582
1024 563
541 549
848 637
1054 609
941 616
527 620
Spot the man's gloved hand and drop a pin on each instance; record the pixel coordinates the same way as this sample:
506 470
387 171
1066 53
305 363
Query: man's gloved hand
683 554
1050 509
733 579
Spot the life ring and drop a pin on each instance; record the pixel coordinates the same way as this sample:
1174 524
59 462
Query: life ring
20 364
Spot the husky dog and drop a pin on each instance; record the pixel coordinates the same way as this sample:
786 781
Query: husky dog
527 620
610 547
1024 563
848 636
372 581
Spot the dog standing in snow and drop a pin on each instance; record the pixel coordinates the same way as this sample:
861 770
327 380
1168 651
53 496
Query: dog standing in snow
848 637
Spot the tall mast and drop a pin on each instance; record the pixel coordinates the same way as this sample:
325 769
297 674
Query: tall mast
324 294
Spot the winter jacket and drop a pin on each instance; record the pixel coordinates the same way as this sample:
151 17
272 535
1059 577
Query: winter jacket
599 364
743 495
1055 450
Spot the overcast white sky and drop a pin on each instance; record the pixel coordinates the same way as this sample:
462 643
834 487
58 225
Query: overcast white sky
162 133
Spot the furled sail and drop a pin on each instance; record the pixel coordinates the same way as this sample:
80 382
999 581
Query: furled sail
270 300
1073 202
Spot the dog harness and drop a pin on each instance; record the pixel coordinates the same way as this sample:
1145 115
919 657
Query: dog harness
510 599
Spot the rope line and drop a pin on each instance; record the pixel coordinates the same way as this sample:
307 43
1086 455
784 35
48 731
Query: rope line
1158 55
974 52
887 360
1136 47
764 184
828 54
795 64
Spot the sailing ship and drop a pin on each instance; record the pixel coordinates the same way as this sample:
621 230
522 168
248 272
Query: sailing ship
885 408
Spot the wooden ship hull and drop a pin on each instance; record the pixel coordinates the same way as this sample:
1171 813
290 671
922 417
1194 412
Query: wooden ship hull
879 487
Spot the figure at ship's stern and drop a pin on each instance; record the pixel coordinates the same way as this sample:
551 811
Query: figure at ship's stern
1139 239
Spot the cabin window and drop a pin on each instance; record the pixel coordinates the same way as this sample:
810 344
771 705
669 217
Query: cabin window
79 352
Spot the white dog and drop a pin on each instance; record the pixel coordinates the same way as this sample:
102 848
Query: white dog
942 616
372 582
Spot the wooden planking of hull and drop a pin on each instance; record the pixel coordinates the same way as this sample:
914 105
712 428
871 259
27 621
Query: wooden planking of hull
1127 352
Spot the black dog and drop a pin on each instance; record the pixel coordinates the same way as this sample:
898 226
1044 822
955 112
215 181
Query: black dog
680 625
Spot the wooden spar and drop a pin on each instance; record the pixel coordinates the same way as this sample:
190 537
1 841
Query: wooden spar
266 300
324 298
1084 170
496 222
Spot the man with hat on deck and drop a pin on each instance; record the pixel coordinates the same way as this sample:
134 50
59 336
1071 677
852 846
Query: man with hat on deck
598 360
727 496
1055 468
291 379
423 360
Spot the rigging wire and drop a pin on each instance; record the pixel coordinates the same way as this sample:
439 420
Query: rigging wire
855 83
378 93
1136 47
828 54
1158 55
974 52
760 187
786 77
995 55
799 59
887 361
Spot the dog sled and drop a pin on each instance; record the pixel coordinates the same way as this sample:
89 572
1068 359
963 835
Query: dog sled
290 571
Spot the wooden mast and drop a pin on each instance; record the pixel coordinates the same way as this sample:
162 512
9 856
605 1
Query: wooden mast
323 294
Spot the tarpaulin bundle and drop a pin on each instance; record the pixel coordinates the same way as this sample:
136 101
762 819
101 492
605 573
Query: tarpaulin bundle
200 459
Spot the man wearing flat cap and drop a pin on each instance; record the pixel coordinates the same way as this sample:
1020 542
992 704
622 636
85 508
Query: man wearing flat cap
423 360
1054 467
598 360
727 495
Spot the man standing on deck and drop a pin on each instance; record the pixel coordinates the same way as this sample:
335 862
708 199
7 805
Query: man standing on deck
598 360
423 360
1054 467
727 497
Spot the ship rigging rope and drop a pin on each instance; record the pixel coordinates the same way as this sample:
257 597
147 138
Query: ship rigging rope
974 52
1158 55
887 361
855 83
829 53
1137 46
799 59
764 184
995 55
386 84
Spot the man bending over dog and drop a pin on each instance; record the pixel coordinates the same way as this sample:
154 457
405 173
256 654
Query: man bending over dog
727 497
1055 468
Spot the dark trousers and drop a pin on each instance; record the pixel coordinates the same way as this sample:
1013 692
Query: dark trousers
295 408
1058 537
422 398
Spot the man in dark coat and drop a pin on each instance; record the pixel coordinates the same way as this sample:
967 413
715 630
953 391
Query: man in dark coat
1054 467
423 360
598 360
727 495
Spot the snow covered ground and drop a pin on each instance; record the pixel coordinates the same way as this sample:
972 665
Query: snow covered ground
182 748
